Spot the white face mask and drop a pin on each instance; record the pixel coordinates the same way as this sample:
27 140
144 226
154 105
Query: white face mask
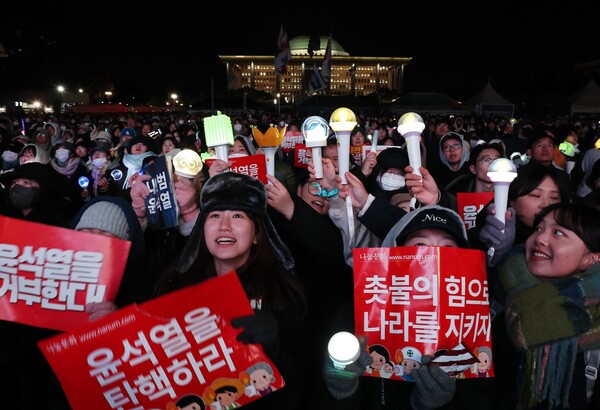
62 155
237 127
391 182
9 156
98 162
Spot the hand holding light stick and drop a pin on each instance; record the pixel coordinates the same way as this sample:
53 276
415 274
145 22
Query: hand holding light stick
315 130
502 171
343 349
410 126
219 134
343 121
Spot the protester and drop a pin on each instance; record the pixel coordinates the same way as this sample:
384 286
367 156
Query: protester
552 316
432 388
234 233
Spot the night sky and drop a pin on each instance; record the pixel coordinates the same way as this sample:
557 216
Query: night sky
521 48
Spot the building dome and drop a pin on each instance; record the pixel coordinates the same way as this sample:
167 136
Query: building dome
299 46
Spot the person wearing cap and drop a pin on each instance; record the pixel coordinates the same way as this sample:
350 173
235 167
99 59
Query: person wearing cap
430 225
75 180
453 153
234 233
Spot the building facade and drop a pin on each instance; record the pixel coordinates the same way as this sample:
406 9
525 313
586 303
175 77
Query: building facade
350 75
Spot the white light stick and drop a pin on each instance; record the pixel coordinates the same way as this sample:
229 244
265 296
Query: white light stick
219 134
270 159
343 349
410 126
374 141
343 121
315 131
502 171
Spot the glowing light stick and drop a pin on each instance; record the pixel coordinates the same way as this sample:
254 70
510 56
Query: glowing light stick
187 163
502 171
343 349
219 134
374 139
269 143
343 121
315 130
410 126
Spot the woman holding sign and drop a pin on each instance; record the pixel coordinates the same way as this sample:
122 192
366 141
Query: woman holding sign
234 233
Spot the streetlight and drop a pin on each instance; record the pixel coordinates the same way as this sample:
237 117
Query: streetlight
108 95
278 104
61 90
174 97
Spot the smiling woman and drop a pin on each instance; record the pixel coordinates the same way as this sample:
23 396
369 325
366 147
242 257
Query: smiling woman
233 233
552 306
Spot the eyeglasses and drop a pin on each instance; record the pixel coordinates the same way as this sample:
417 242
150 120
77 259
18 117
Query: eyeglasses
487 160
314 188
451 147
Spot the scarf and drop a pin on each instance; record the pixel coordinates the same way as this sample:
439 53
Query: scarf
549 321
66 169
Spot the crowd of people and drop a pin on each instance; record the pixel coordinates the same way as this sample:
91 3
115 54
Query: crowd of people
290 243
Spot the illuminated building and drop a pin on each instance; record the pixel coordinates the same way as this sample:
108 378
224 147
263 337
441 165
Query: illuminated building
350 75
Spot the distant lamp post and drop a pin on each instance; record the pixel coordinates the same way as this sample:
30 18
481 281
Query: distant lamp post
174 97
279 104
108 95
61 90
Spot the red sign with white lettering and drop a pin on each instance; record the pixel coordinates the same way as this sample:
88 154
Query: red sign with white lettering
179 348
48 274
417 300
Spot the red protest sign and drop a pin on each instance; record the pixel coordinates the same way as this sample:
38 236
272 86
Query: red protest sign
253 165
416 300
178 347
47 278
470 204
302 155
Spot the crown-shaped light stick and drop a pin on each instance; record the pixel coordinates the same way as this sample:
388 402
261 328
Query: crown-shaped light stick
269 143
343 121
219 134
410 126
502 171
315 131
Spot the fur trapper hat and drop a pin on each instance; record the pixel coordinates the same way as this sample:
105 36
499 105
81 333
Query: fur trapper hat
230 191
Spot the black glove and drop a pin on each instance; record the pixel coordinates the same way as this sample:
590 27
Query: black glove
261 328
343 383
491 234
433 387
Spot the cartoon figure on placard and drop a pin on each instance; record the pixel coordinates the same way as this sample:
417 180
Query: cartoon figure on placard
223 393
382 365
258 379
484 354
187 402
409 358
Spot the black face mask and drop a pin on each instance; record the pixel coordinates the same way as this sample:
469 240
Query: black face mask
22 197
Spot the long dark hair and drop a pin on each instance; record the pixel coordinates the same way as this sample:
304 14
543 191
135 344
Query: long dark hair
262 276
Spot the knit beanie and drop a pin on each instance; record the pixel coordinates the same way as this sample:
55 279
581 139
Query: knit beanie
105 216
